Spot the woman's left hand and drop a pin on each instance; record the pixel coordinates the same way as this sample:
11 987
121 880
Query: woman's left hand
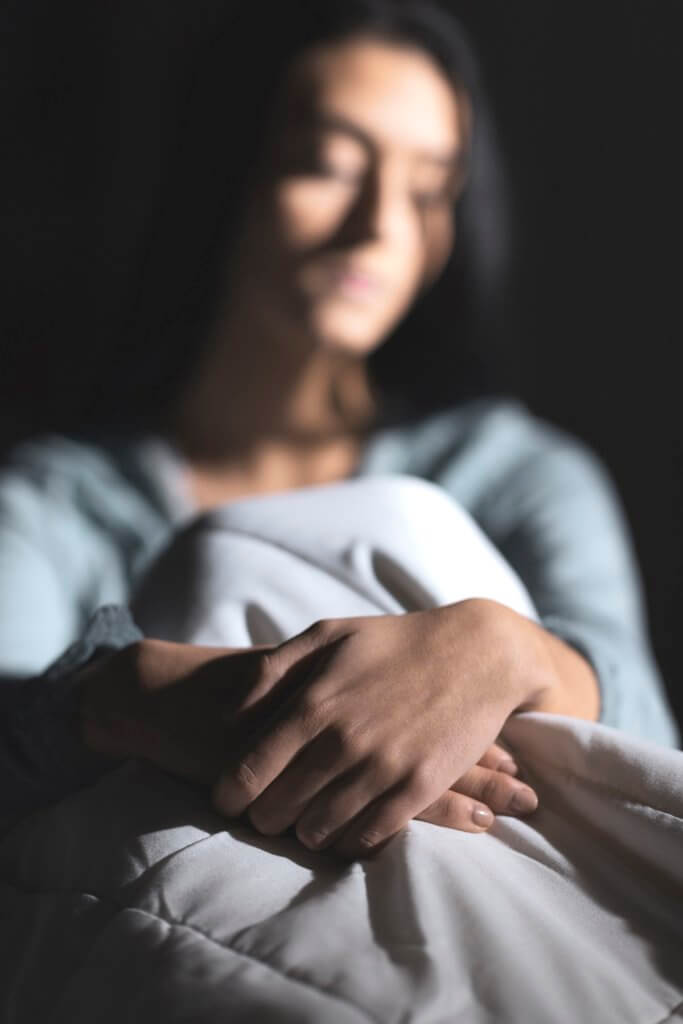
487 789
384 713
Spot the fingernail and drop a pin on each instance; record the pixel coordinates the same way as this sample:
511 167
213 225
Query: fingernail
482 816
524 801
508 766
313 838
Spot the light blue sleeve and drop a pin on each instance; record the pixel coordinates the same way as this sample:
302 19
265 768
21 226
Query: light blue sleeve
57 564
557 518
57 568
39 611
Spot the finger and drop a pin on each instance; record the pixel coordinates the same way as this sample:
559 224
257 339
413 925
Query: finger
267 754
328 756
455 810
499 760
334 809
273 675
281 675
378 823
499 791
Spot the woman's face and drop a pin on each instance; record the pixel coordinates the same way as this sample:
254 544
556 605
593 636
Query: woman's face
354 213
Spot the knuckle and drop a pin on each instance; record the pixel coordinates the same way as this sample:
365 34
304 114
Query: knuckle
310 707
387 763
267 667
318 702
320 630
442 808
344 741
456 812
451 810
235 789
496 752
244 777
494 790
310 699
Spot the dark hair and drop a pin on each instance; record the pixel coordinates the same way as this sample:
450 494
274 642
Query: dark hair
229 82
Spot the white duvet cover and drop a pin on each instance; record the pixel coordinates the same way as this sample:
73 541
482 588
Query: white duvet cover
131 901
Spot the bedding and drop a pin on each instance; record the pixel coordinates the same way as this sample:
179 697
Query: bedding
131 900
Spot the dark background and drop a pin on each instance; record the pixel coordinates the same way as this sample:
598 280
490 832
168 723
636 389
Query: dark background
588 101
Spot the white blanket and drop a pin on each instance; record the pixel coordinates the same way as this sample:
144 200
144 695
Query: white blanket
132 901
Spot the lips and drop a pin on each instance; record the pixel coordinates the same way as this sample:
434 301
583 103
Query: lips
355 281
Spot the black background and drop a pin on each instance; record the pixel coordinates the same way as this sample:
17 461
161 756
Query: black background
589 108
588 101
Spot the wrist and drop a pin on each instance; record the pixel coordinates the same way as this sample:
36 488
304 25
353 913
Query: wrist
575 688
545 672
107 691
518 660
530 671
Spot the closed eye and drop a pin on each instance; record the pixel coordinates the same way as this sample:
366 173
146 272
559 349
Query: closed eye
349 175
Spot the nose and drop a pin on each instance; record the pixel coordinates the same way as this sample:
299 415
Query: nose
381 212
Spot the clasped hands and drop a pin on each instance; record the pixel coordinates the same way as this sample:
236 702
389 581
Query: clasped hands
345 732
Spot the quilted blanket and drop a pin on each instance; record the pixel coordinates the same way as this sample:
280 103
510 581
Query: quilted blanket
132 901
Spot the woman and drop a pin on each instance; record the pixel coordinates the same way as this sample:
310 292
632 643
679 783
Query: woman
371 184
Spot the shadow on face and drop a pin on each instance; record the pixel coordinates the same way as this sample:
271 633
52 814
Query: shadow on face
352 213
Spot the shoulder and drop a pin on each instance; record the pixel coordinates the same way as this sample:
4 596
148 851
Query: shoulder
53 463
69 495
57 471
483 448
75 469
44 476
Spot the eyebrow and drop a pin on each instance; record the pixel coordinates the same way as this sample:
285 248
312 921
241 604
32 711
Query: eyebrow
337 122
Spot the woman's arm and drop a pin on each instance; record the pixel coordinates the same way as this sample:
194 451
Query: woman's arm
58 565
557 518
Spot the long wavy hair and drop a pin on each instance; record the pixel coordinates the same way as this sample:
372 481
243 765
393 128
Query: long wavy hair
225 88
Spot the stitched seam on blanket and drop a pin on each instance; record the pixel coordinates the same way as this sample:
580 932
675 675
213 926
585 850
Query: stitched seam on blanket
249 956
612 791
227 947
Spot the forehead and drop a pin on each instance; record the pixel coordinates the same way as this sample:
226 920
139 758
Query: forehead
395 94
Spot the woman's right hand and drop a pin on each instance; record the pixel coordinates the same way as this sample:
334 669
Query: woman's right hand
181 706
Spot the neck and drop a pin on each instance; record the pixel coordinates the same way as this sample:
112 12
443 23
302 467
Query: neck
253 391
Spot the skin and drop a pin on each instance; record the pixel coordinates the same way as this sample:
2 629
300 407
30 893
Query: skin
347 731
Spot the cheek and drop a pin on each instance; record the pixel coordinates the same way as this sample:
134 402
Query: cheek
306 213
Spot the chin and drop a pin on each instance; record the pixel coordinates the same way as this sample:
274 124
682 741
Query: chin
350 346
348 333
